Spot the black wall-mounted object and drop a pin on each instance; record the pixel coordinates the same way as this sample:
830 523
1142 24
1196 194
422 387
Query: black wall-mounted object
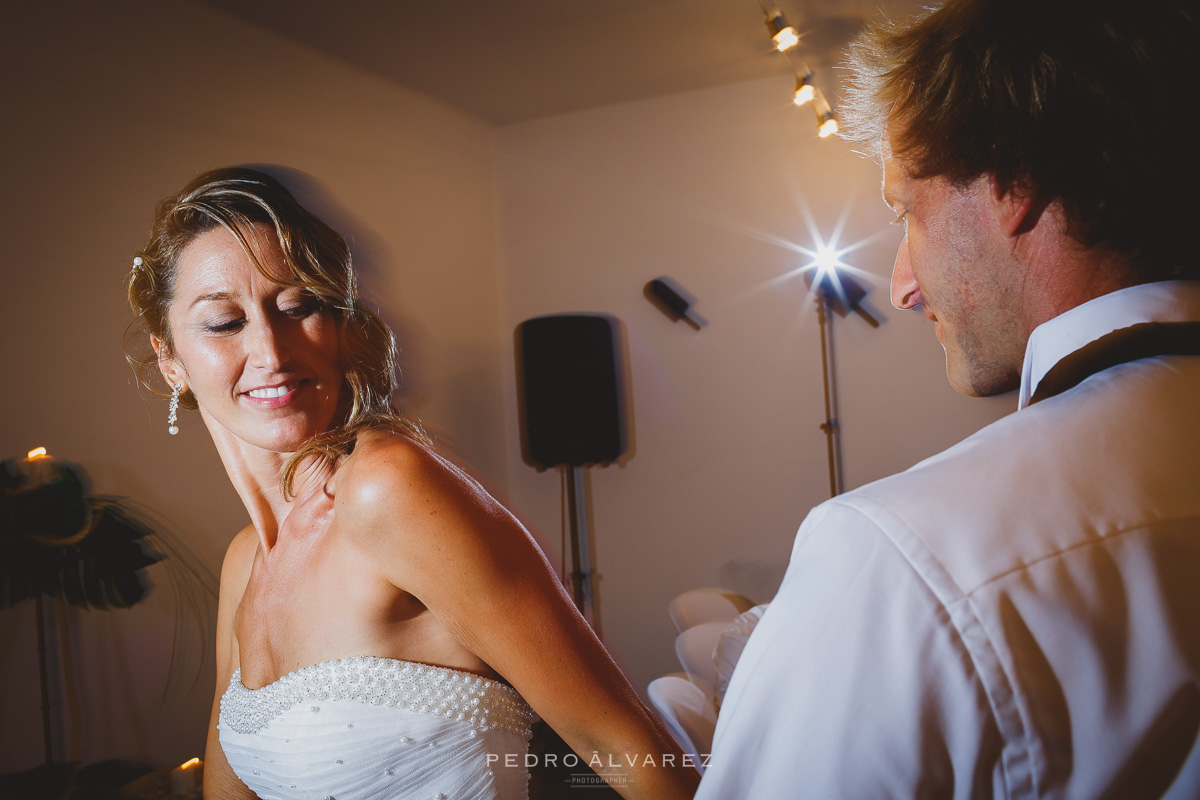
571 393
841 292
670 299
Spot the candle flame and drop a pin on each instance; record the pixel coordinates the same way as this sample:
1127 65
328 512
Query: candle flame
189 763
37 452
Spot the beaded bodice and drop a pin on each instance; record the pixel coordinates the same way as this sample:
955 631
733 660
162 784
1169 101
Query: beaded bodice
461 696
368 727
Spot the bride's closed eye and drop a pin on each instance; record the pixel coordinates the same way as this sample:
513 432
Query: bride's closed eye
299 304
227 326
297 308
303 309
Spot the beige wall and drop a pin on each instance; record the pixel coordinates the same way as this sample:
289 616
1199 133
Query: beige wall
703 187
461 232
108 107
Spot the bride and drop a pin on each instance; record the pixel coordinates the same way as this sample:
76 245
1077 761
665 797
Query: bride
384 625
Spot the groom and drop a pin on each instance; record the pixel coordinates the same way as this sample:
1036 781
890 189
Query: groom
1018 616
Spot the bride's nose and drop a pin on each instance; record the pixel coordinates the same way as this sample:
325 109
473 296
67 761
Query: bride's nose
267 345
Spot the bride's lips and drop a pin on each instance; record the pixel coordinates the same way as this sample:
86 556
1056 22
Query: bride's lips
274 398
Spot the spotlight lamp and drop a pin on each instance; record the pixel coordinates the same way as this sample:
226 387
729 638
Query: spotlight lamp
826 124
782 34
804 89
826 119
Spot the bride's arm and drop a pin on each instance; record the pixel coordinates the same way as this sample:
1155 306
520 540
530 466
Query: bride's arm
438 535
220 782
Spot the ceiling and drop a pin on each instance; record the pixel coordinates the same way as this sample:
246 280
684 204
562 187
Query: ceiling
513 60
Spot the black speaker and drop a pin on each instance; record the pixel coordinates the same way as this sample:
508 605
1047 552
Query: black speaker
571 394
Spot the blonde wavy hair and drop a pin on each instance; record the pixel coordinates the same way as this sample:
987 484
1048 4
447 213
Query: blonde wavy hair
318 261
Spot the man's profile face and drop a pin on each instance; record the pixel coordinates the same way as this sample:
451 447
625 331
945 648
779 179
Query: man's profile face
956 264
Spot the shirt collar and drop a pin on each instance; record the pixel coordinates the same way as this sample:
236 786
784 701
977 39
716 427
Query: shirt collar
1050 342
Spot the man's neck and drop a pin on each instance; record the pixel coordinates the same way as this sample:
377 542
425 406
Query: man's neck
1061 273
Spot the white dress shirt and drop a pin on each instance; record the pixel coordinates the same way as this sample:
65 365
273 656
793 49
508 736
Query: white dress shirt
1018 616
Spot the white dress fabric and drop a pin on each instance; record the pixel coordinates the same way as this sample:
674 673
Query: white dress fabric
369 728
1018 616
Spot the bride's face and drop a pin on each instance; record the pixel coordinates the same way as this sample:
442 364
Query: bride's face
262 359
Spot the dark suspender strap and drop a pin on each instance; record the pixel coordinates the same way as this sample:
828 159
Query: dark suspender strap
1144 340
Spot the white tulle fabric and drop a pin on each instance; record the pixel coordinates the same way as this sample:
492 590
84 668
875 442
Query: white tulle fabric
373 728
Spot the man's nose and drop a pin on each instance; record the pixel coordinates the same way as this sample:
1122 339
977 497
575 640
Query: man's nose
905 291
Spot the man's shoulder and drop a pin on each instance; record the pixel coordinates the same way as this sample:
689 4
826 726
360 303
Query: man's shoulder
975 470
1112 454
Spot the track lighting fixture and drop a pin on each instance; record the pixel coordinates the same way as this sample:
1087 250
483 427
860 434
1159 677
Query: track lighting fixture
804 89
785 39
826 119
782 34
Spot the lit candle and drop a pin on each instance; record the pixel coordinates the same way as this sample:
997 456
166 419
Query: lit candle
37 468
183 778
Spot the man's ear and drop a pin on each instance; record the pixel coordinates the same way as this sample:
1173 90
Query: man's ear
1016 206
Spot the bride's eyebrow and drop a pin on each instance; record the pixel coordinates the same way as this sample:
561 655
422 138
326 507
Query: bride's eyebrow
222 295
213 296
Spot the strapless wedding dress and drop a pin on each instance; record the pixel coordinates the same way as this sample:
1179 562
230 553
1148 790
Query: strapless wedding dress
369 728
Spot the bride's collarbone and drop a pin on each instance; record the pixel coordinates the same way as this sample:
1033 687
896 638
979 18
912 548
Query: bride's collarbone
308 540
310 518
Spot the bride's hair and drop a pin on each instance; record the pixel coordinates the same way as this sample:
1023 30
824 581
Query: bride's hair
318 261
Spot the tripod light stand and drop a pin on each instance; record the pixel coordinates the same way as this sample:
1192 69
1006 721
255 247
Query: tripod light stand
835 291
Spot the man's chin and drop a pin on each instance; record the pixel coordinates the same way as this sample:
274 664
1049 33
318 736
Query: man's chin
982 383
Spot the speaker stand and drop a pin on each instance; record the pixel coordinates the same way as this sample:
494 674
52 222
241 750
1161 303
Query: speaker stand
581 575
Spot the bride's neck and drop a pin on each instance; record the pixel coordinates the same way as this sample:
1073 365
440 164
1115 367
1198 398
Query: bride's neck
255 474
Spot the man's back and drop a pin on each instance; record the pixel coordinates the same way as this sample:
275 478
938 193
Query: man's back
1018 616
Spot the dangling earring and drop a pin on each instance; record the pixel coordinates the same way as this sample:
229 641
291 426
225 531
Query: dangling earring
173 411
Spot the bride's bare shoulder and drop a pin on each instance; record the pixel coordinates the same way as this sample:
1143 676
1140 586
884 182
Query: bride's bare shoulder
391 478
393 469
423 522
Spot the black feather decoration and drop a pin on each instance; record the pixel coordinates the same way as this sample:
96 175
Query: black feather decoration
57 541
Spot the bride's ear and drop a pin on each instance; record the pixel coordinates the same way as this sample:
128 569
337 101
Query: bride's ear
171 371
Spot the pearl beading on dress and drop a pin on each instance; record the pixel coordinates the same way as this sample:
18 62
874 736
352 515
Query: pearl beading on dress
482 703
